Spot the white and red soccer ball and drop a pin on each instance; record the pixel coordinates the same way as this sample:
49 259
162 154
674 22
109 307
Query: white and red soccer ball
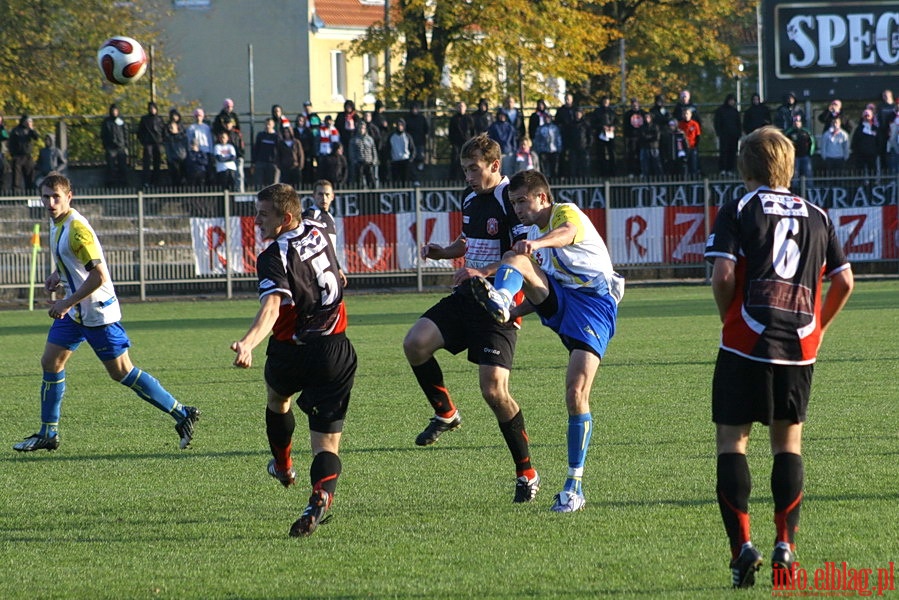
122 60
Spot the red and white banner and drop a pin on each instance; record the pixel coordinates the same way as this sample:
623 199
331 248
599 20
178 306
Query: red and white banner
653 235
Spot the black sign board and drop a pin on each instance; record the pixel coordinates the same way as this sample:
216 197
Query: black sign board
823 50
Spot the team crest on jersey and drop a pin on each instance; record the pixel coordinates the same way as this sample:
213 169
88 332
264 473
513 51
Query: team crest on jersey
310 245
492 226
783 206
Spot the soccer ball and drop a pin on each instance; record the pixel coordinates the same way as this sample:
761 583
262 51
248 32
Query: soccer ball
122 60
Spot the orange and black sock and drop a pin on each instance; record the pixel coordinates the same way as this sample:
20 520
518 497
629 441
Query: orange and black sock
279 429
430 378
734 486
787 476
517 440
324 471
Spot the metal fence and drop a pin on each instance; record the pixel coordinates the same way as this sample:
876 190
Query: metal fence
654 229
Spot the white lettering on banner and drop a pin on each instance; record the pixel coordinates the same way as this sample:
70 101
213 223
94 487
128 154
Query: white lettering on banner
636 235
871 39
217 245
379 246
686 245
860 230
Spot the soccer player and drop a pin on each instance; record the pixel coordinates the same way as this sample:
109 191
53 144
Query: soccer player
457 323
87 309
308 352
323 196
566 273
770 250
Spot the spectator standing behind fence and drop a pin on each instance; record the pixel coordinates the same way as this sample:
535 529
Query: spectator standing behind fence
757 115
692 133
581 140
727 129
482 117
50 159
684 102
804 145
634 118
835 147
201 133
524 158
834 111
864 144
346 122
673 148
363 158
516 117
280 118
650 141
563 118
538 117
114 135
290 157
327 135
548 145
886 114
334 167
503 133
304 134
21 148
150 131
196 166
783 116
893 146
417 126
402 149
603 123
227 120
176 146
265 155
225 162
660 114
461 129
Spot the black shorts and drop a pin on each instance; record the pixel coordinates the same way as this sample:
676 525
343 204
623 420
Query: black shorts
464 324
747 391
322 373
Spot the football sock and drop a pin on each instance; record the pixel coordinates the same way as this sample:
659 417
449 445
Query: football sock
279 430
787 475
517 440
580 430
324 471
147 387
430 378
53 386
508 281
734 483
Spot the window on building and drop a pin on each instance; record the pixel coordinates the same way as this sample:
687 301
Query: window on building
338 74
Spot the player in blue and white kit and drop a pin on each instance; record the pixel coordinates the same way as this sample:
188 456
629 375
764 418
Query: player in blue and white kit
87 310
567 276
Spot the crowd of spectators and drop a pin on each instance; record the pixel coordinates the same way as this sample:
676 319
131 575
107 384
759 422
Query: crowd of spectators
368 149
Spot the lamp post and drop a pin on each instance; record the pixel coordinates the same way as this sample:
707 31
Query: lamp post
739 78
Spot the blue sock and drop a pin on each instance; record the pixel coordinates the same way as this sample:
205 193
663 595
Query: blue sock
53 387
509 279
580 429
147 387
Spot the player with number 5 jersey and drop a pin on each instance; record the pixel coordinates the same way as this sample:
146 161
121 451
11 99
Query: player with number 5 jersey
308 353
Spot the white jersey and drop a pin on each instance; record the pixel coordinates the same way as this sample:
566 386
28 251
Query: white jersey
75 246
585 262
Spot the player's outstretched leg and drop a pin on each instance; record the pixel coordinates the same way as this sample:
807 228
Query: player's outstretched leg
495 302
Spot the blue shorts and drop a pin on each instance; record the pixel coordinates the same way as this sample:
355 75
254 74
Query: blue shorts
582 316
108 341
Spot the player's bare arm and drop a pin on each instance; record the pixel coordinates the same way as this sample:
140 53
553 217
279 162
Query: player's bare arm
261 327
723 284
557 238
95 278
841 285
437 252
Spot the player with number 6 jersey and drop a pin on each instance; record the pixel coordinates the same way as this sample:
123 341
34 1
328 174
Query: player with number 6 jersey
308 353
770 250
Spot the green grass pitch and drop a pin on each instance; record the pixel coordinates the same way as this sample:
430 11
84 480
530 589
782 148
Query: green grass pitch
119 512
